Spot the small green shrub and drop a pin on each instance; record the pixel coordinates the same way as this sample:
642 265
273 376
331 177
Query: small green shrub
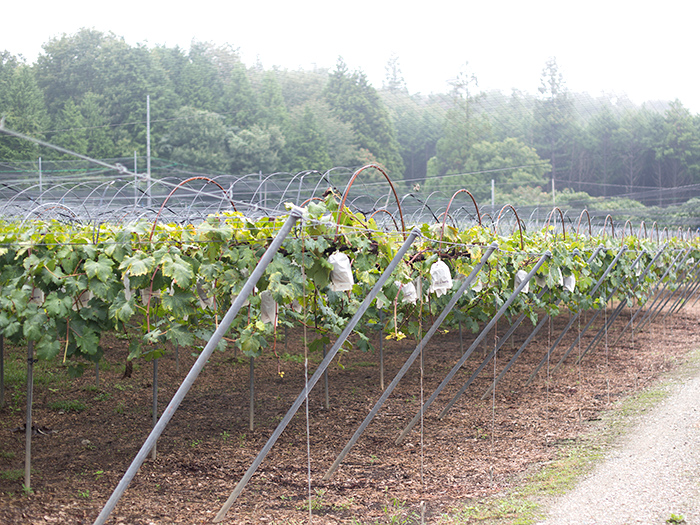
68 406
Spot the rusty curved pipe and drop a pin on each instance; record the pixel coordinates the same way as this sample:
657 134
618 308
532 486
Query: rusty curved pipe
384 210
162 206
646 235
590 229
517 218
347 190
309 200
612 225
624 228
478 213
549 218
658 235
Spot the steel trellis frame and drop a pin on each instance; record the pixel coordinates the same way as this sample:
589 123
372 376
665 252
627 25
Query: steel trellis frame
418 351
532 335
317 374
194 372
473 346
548 354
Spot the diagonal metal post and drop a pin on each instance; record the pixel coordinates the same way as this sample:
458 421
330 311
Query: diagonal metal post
418 351
473 346
489 357
693 290
484 332
692 277
574 317
670 296
652 293
593 318
531 336
606 326
662 297
317 374
194 372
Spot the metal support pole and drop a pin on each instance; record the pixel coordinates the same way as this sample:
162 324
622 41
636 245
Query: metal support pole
488 358
41 184
599 336
532 335
693 290
251 377
317 374
693 274
418 351
326 398
656 286
671 295
154 453
662 297
216 337
381 350
136 181
473 346
593 318
574 317
28 424
148 150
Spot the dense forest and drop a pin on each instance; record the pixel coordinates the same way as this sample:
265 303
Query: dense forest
88 92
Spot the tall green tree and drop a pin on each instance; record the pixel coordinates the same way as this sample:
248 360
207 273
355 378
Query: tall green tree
354 101
418 121
554 121
121 76
342 147
273 110
22 108
97 130
510 163
464 126
197 138
257 149
201 85
633 143
239 105
70 131
679 149
603 131
306 143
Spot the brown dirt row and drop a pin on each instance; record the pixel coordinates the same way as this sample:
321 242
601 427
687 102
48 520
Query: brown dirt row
476 450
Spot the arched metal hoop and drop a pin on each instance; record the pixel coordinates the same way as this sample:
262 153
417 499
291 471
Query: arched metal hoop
549 219
162 206
578 226
447 210
384 210
347 190
612 225
643 225
517 218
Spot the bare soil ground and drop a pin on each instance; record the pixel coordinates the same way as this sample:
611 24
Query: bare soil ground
476 450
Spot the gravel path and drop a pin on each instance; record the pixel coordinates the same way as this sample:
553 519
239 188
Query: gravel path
652 474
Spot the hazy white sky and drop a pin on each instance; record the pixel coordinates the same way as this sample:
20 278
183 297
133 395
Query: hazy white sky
647 50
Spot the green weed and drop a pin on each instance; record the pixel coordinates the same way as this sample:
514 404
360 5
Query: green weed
102 396
12 475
